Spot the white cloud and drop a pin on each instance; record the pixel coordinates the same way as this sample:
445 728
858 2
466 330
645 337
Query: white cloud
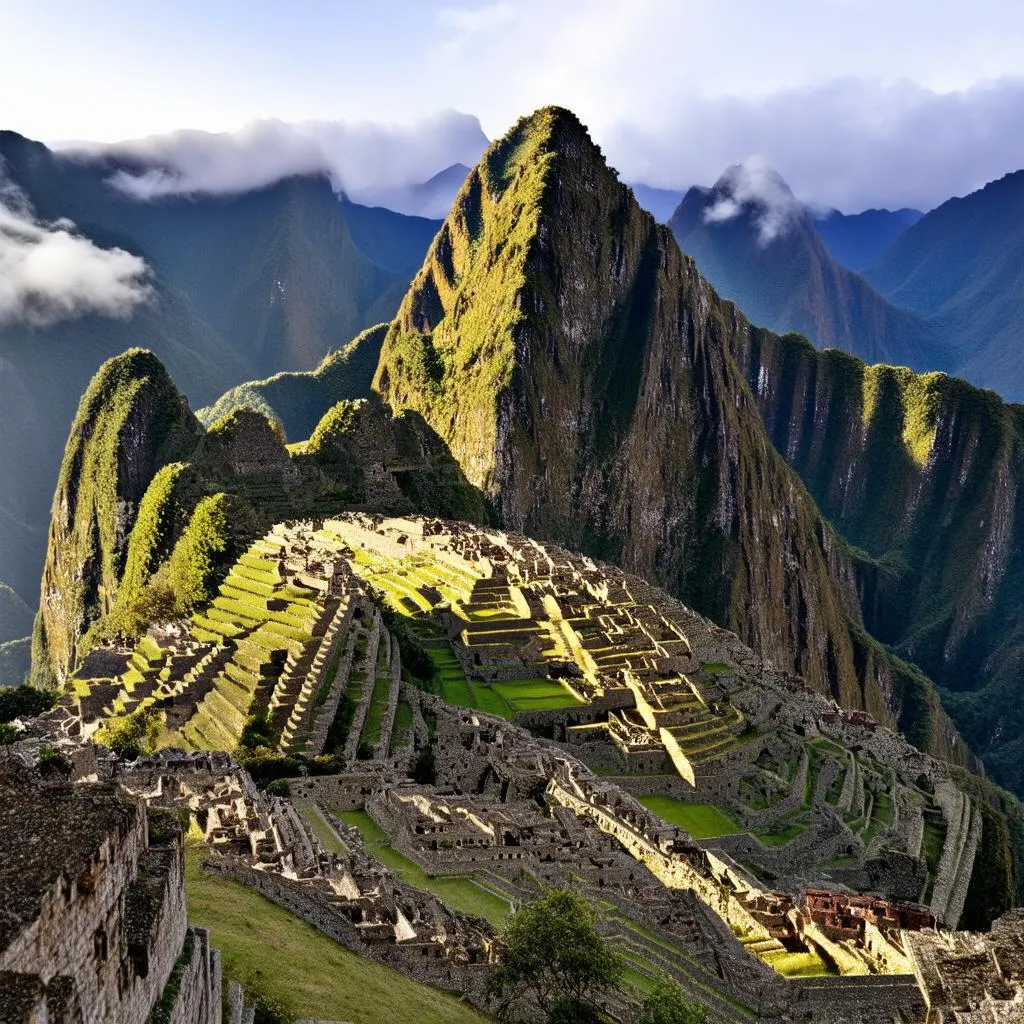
48 273
755 186
367 161
851 143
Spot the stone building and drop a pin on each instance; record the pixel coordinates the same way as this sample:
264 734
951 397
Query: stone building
93 926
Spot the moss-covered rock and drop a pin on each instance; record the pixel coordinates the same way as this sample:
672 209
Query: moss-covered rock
131 422
582 372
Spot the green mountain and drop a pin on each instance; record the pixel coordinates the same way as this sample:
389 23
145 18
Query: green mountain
759 247
593 388
581 371
297 401
963 265
150 508
925 474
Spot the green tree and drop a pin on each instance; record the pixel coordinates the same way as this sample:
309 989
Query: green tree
553 964
666 1003
24 702
133 735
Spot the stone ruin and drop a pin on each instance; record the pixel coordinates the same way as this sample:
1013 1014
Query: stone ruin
825 872
93 925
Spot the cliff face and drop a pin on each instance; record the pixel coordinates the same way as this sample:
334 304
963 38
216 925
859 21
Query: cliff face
131 422
581 371
924 473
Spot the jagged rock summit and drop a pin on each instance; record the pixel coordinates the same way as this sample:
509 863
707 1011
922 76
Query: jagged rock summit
579 368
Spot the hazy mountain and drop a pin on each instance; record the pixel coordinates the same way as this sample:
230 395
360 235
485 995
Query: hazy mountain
15 615
394 241
430 199
963 264
758 246
660 203
857 240
239 287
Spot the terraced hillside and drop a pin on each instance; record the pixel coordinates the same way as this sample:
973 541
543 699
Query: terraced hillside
302 650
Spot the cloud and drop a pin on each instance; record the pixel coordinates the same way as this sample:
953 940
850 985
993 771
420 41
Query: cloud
48 273
850 144
754 186
367 161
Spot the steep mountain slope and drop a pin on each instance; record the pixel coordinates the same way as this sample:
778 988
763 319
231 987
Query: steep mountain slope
579 368
857 240
130 424
758 246
297 401
963 263
926 475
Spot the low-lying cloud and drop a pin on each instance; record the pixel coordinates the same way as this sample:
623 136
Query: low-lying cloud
49 273
754 186
371 163
850 143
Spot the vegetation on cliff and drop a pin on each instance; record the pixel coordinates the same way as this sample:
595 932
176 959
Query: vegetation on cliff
924 474
131 422
296 401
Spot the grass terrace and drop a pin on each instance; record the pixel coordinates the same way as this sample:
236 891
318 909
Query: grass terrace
459 892
702 821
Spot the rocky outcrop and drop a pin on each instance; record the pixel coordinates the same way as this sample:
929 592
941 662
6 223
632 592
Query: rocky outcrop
583 374
131 422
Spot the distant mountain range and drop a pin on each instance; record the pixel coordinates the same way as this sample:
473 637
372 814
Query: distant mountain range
946 294
857 240
962 265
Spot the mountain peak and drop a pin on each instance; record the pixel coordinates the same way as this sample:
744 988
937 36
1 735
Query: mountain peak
756 190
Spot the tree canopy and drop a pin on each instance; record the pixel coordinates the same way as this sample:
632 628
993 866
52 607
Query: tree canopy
554 966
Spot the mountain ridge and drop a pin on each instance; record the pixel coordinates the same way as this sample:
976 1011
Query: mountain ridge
519 359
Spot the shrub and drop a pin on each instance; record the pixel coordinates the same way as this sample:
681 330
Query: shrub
24 702
135 734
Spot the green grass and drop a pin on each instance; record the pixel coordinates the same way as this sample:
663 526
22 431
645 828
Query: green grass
402 726
782 837
264 947
713 668
329 839
800 965
459 893
933 841
374 713
702 821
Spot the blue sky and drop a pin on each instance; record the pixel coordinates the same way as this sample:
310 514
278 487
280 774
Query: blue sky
856 102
